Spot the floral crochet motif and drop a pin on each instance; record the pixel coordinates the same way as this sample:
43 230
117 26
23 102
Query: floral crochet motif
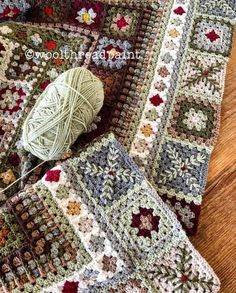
195 119
86 16
8 177
73 208
146 222
115 53
53 176
70 287
87 13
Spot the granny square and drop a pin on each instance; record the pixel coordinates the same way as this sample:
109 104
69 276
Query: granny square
203 76
148 238
110 48
181 170
121 22
112 174
86 13
212 36
195 120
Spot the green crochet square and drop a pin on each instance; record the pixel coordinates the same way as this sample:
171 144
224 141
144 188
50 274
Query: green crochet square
194 119
212 35
121 22
143 225
203 76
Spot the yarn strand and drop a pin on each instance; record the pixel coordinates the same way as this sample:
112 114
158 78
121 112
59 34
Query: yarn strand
20 178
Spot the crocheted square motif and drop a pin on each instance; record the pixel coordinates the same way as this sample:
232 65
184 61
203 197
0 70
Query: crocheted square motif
203 76
142 224
181 170
195 120
212 35
121 22
89 14
12 98
113 175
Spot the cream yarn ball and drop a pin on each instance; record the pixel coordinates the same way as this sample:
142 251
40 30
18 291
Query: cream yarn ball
63 112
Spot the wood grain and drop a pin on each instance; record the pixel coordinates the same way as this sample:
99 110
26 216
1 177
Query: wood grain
216 238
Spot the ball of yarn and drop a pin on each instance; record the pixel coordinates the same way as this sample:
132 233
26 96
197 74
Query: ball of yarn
64 111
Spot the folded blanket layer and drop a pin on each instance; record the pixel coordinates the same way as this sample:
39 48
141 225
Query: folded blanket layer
94 224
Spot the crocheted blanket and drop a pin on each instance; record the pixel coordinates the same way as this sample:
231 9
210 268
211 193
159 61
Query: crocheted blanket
163 104
94 224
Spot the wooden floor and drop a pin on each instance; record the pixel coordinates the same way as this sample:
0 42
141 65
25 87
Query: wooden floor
216 239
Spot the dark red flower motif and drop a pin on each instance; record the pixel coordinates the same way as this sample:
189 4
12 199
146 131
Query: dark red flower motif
44 84
14 159
53 175
50 45
70 287
146 222
184 278
212 36
156 100
179 11
48 10
9 13
121 23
